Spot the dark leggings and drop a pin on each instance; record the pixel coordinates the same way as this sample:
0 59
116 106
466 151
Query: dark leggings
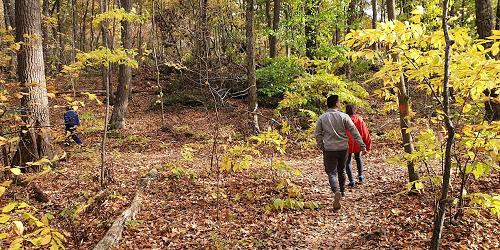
359 163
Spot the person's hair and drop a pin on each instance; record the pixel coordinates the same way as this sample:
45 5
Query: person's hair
331 101
69 107
350 109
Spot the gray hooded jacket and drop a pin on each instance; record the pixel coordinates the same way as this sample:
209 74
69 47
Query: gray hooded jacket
331 131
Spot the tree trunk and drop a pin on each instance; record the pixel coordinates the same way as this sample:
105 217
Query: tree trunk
60 25
125 76
35 143
45 31
73 26
497 19
6 14
351 11
269 22
83 30
484 18
404 105
391 10
311 27
106 71
92 9
443 201
273 39
374 15
251 78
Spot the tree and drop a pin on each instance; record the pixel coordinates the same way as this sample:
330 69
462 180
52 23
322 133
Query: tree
273 40
35 142
311 27
447 164
124 76
497 16
484 18
8 13
374 14
404 105
250 59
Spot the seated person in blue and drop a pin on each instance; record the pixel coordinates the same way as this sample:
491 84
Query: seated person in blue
71 122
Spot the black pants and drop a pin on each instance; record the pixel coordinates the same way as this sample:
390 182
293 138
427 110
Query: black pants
335 162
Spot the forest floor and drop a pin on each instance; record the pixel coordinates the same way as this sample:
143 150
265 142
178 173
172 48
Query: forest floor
182 212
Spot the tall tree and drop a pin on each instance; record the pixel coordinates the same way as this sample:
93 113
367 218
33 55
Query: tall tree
124 76
374 14
447 163
35 141
311 27
484 18
404 105
497 16
250 59
60 30
273 39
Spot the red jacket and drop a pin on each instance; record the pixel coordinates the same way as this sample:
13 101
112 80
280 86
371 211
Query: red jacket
363 131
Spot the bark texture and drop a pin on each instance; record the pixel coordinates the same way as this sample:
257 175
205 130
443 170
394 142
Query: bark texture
35 143
484 18
124 76
404 106
250 59
273 39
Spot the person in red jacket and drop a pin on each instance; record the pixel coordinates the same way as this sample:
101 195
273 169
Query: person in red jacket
354 147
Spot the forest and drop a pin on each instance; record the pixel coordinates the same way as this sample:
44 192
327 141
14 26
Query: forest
197 124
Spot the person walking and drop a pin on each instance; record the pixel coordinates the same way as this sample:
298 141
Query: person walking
332 139
354 147
71 122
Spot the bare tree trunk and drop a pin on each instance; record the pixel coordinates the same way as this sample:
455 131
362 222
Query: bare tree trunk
404 106
497 17
484 18
83 30
10 23
106 71
252 82
273 39
74 34
6 15
92 35
443 201
374 16
35 143
125 76
269 22
60 25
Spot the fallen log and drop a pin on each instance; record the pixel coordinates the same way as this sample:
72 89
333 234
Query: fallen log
114 233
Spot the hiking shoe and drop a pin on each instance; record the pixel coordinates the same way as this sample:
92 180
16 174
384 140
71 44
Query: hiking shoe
336 200
361 179
352 184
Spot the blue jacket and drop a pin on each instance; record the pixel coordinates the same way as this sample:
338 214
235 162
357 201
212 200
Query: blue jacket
71 118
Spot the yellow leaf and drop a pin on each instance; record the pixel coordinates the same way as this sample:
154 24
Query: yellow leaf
467 108
4 218
2 190
15 171
46 239
18 227
9 207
